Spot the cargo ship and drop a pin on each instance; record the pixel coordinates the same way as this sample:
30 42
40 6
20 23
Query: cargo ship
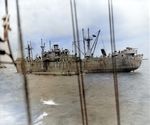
60 62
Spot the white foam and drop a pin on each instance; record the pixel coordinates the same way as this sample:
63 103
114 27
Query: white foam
40 118
49 102
39 123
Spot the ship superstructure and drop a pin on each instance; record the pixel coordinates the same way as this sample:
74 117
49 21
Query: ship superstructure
55 54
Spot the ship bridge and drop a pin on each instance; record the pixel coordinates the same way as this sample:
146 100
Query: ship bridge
129 51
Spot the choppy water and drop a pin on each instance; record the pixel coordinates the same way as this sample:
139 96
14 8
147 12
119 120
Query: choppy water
54 100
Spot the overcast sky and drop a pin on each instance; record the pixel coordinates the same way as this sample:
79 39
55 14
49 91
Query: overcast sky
51 20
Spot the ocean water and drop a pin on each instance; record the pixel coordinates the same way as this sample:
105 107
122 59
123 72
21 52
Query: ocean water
54 100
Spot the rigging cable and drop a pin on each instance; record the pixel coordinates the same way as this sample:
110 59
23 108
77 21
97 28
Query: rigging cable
79 49
95 42
102 41
23 67
112 37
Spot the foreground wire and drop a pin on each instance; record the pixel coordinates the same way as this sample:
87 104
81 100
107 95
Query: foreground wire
79 64
23 68
113 49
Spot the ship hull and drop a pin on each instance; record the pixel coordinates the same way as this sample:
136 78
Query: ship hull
123 64
93 65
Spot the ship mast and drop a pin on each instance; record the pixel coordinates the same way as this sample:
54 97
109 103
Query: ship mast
29 48
83 43
42 47
90 50
88 54
50 45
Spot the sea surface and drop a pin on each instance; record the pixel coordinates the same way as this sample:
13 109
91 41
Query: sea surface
54 100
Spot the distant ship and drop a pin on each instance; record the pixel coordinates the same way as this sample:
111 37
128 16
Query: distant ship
61 62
